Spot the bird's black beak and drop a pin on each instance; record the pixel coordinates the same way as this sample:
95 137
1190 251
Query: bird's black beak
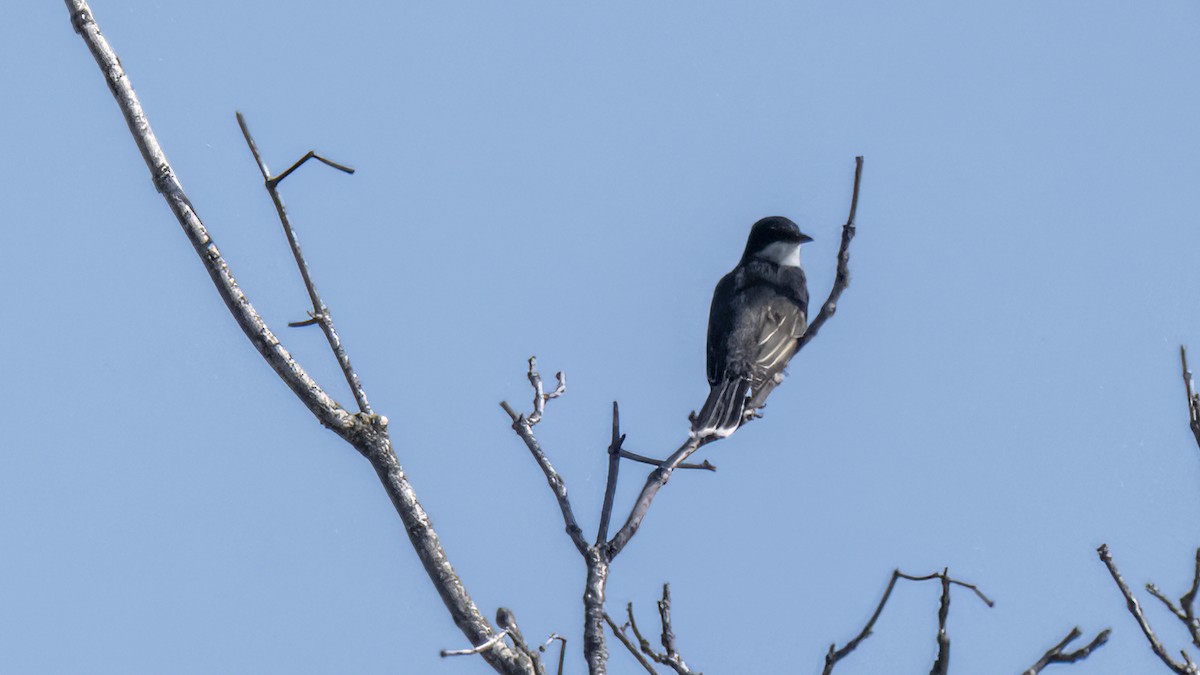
804 238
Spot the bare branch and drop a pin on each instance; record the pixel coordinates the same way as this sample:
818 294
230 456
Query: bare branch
834 654
320 314
1193 399
941 665
524 429
1188 604
1056 654
705 465
1187 668
619 632
507 621
539 395
1179 613
654 482
562 649
614 467
668 657
367 433
475 650
842 277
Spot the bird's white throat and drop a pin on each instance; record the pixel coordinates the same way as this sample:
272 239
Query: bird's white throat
782 253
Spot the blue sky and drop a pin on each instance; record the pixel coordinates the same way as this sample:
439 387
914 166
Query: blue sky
999 392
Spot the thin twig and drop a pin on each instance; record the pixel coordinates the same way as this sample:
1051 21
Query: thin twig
1193 399
620 634
614 467
557 486
1136 610
669 657
524 427
320 314
1056 654
834 654
1179 613
633 456
539 394
562 649
477 649
654 482
842 277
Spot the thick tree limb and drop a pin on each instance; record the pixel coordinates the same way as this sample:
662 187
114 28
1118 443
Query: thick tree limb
1056 654
1135 609
366 432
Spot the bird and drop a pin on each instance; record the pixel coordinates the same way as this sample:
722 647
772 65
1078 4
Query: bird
759 313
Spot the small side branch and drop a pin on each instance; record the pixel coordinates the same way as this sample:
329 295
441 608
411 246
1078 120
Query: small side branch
479 649
1056 654
524 427
614 466
633 456
668 657
842 277
1135 609
562 649
834 655
619 632
1193 399
320 314
654 482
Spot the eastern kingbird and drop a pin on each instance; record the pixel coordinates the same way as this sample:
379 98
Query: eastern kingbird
759 312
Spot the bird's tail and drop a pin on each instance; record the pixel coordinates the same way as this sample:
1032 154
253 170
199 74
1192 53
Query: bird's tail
722 412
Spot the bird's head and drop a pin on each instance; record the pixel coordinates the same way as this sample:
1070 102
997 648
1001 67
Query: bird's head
775 239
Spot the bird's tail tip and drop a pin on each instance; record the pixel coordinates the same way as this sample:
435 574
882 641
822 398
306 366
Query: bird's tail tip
723 411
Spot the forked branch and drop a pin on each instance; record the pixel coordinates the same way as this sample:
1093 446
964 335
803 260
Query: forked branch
1056 654
1135 610
320 314
942 662
366 432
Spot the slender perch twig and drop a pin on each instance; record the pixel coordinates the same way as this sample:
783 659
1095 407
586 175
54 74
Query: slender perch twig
660 476
320 314
1135 609
842 278
835 654
367 433
1056 654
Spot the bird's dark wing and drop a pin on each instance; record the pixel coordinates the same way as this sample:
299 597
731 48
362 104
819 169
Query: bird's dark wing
720 325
